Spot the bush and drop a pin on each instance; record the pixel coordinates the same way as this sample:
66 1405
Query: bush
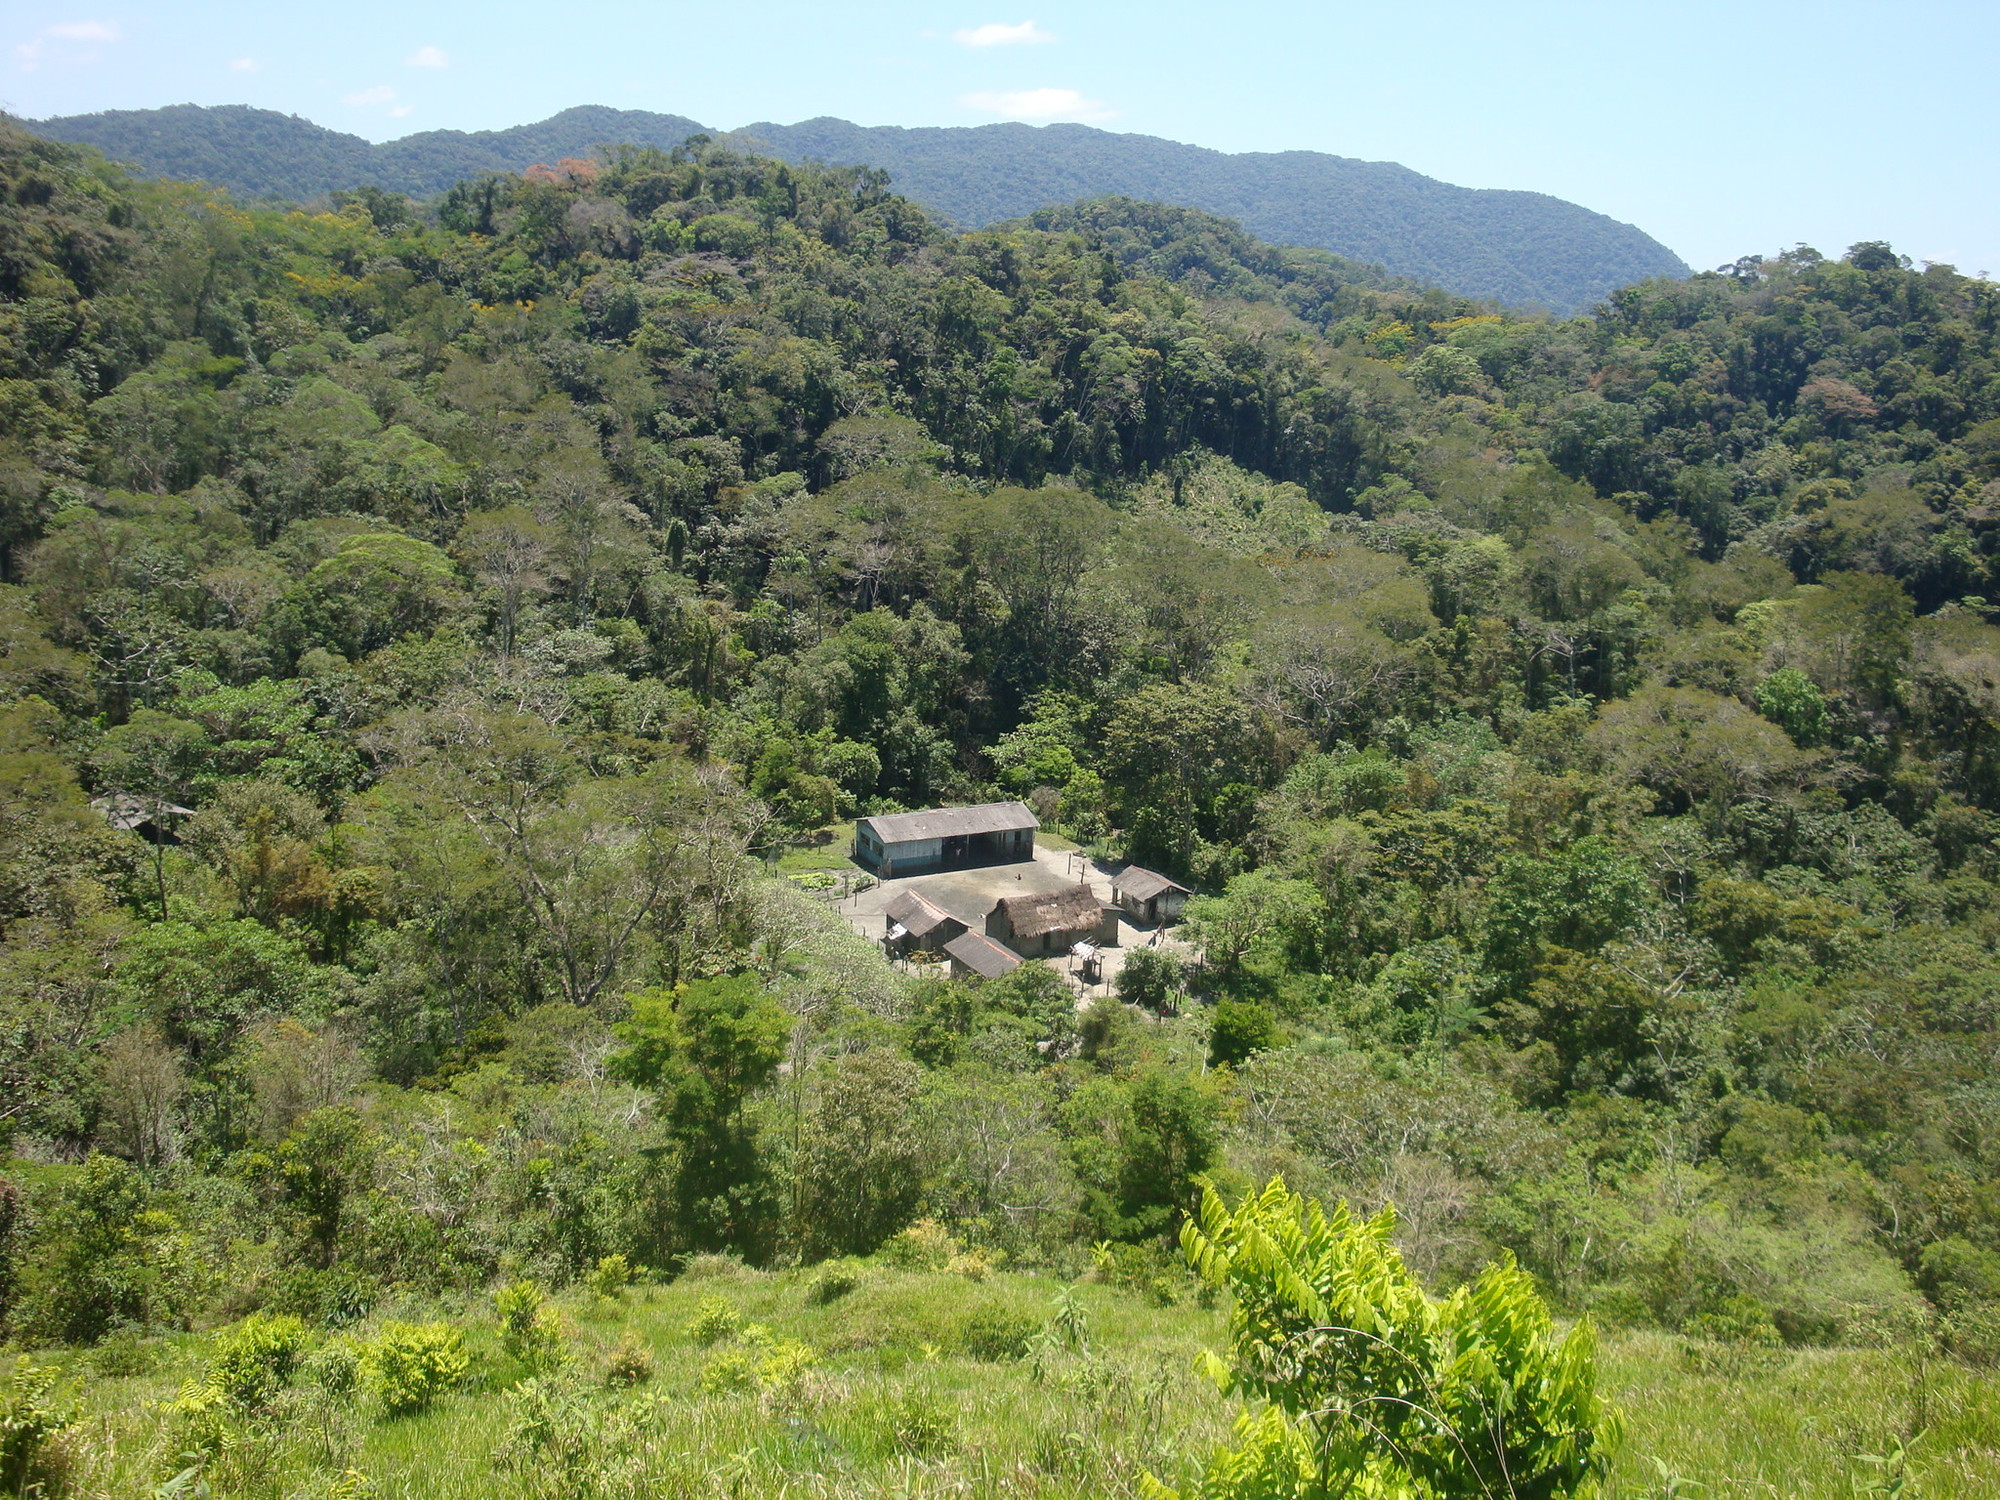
730 1369
712 1267
31 1417
1380 1387
833 1281
1241 1029
925 1246
1151 977
256 1359
409 1365
609 1276
630 1364
996 1333
1736 1320
530 1330
330 1298
551 1438
335 1368
103 1256
714 1320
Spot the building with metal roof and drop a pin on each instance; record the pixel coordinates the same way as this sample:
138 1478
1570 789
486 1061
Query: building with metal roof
1147 896
944 838
974 956
914 923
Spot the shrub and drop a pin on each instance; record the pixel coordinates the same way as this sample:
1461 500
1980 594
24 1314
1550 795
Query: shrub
1373 1386
630 1364
783 1371
409 1365
1736 1320
997 1333
973 1263
203 1424
102 1256
833 1281
256 1359
330 1298
333 1367
31 1417
609 1276
530 1330
550 1437
730 1369
714 1320
710 1267
925 1246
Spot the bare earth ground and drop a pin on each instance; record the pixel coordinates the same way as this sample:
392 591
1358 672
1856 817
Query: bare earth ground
969 895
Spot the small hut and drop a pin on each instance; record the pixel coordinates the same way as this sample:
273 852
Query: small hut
1147 896
1052 922
915 924
154 819
975 957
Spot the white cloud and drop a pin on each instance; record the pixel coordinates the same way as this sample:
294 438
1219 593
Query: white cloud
1040 104
427 57
402 110
997 34
67 41
246 65
369 98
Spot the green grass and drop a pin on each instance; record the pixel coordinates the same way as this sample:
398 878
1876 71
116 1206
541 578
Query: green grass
894 1405
807 857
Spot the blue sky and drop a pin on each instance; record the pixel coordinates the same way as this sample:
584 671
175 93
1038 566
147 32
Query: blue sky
1723 129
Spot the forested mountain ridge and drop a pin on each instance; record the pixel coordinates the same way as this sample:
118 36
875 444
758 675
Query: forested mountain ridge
1582 735
1514 247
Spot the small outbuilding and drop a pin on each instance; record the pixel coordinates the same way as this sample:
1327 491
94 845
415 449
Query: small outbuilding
915 924
1053 922
974 956
1146 896
945 838
154 819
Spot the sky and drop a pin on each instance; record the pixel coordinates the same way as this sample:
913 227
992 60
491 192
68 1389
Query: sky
1722 129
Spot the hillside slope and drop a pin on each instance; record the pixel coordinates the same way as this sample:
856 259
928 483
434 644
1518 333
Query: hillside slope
1515 247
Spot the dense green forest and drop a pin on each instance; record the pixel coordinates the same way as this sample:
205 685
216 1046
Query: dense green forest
1585 737
1516 247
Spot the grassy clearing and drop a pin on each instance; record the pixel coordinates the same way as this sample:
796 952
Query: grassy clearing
825 849
905 1395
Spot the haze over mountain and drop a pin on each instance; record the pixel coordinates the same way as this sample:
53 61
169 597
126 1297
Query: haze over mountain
1515 247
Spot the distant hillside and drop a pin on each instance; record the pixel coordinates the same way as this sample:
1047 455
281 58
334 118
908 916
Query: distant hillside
1516 247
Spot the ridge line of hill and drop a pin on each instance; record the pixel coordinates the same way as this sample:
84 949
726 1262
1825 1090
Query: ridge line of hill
1510 246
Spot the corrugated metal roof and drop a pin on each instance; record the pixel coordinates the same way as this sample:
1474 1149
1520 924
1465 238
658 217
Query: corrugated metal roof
123 811
1073 909
951 822
1144 885
916 914
982 955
